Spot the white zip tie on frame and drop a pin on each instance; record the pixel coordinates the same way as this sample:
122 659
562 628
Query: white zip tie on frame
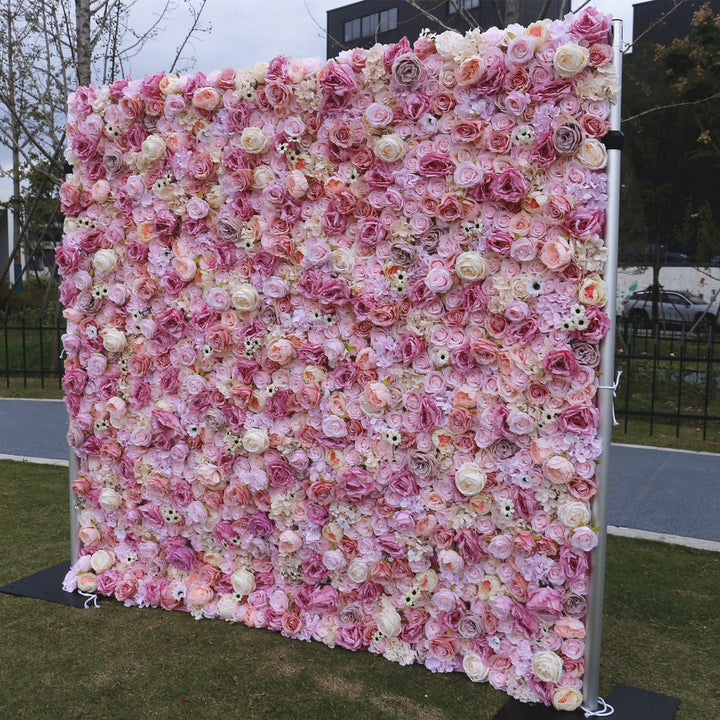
614 388
604 711
91 598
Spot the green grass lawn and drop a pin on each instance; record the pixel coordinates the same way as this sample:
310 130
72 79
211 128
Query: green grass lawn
662 632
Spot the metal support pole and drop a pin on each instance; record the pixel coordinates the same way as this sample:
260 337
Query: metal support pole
74 529
591 685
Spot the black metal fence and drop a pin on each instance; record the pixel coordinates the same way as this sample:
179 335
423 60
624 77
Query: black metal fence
30 344
669 377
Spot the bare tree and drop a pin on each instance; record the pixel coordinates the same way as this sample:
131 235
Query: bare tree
47 48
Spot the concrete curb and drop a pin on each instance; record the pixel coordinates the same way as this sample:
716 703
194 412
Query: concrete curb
695 543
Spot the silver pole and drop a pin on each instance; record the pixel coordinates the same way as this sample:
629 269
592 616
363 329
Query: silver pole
591 687
74 525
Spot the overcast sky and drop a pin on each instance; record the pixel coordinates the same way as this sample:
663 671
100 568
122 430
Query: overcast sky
245 32
240 37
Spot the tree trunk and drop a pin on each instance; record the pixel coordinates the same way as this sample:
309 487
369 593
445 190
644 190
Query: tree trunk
512 11
83 46
15 149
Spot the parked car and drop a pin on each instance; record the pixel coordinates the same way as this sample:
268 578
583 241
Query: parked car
674 308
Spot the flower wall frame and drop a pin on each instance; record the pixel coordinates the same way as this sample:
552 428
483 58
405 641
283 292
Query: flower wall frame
333 340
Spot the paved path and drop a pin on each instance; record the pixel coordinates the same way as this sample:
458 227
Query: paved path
661 491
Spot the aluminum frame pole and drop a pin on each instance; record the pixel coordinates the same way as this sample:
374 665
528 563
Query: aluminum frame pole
591 680
74 524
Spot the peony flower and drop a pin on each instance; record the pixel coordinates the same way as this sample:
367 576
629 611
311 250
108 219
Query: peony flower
567 699
153 148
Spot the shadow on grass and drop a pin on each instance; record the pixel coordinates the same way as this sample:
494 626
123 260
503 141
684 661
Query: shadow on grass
661 634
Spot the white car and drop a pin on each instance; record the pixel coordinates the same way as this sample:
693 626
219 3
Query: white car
674 308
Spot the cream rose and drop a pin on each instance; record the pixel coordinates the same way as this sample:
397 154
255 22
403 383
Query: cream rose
342 260
243 582
593 291
109 499
226 607
254 140
245 297
451 45
570 59
388 621
358 570
114 340
105 261
263 175
389 148
547 666
102 560
567 699
573 514
470 479
475 668
592 154
470 266
255 441
153 148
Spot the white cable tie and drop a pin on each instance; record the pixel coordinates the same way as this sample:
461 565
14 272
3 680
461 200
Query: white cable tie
614 388
604 711
91 598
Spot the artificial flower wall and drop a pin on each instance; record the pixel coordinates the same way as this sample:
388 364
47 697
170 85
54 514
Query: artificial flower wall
332 346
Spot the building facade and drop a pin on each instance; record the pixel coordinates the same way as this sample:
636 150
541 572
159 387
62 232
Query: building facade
362 24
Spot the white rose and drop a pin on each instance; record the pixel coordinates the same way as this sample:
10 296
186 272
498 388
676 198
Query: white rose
592 154
226 607
573 514
547 666
105 261
113 339
389 148
109 499
263 175
470 266
243 582
567 699
570 59
256 440
470 479
475 668
388 621
450 45
342 259
254 140
102 560
153 148
358 570
245 297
